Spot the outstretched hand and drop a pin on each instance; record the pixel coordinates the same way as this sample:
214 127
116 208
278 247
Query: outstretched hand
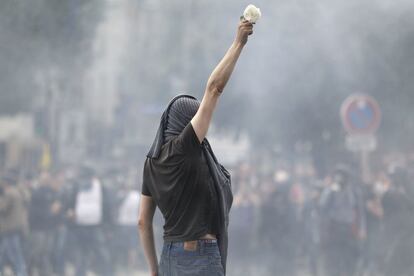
245 29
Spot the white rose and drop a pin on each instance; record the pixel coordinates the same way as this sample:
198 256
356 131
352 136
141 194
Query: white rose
252 13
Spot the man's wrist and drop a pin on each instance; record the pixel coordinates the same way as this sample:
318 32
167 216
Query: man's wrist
238 45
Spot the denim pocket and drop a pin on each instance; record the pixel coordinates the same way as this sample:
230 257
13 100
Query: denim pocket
193 261
208 265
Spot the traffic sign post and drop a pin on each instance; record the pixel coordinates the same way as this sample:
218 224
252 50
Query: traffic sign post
361 118
358 143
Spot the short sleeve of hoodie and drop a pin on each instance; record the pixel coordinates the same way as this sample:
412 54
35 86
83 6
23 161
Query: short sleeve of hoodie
144 188
187 141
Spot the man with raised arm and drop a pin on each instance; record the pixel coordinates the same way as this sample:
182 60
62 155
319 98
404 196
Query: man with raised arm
183 178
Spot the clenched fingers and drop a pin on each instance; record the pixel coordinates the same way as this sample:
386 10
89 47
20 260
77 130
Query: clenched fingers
246 27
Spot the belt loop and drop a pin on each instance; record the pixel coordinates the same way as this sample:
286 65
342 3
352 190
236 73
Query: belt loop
202 246
169 246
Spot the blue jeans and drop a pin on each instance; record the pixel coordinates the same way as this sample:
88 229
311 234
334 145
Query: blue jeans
58 256
92 244
204 260
10 247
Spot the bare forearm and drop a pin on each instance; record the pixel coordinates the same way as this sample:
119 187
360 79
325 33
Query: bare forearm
146 234
221 74
218 80
215 86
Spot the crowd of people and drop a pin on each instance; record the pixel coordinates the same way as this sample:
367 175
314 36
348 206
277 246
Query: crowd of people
287 219
296 222
71 219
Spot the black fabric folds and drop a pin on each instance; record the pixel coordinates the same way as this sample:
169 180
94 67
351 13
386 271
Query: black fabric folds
177 115
222 183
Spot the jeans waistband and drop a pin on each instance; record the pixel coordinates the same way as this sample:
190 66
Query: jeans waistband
200 242
197 247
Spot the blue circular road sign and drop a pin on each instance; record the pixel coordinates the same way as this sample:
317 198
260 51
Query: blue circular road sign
360 114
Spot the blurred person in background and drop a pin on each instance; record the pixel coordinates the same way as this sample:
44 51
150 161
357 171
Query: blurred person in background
398 208
184 179
13 224
60 233
25 184
24 187
344 224
374 248
277 215
243 222
46 214
297 197
127 220
312 232
90 208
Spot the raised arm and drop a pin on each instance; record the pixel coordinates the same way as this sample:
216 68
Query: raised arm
218 80
146 232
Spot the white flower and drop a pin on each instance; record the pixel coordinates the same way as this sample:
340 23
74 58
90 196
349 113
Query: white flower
252 13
